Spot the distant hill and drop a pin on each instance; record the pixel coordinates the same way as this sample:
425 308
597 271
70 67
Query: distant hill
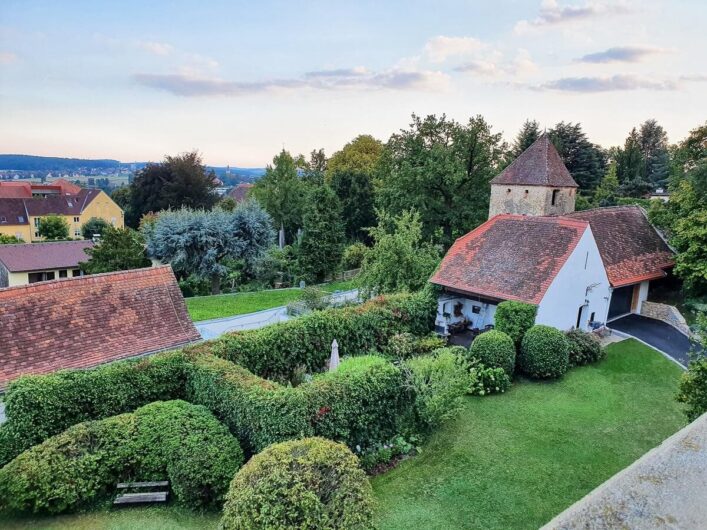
51 163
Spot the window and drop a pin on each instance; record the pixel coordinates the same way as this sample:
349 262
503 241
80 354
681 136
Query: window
3 219
77 219
75 273
36 222
77 233
579 316
591 318
475 309
63 273
36 234
555 193
508 190
35 277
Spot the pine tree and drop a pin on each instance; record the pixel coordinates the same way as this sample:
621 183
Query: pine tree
529 132
585 161
653 141
322 242
630 167
605 194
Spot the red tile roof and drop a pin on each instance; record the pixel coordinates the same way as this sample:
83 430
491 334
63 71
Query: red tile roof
15 190
25 257
631 248
83 322
510 257
539 165
240 192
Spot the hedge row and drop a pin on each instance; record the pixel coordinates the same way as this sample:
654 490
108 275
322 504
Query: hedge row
175 440
275 352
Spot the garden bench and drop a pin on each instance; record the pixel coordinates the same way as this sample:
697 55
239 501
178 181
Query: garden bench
141 497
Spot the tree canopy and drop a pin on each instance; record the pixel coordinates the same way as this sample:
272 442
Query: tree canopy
53 228
94 226
360 155
119 249
585 161
529 132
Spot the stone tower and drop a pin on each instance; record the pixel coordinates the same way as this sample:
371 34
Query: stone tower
536 183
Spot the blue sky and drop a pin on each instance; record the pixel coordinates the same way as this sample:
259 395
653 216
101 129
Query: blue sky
135 80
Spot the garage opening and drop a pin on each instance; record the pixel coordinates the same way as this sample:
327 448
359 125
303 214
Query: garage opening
621 301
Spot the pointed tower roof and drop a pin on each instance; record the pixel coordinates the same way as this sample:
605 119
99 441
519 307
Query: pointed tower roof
539 165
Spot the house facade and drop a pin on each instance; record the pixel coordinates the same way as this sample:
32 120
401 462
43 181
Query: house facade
20 214
581 269
26 263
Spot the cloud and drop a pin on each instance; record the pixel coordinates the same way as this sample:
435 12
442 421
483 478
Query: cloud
608 84
187 85
439 49
694 78
7 57
155 48
552 14
622 54
480 67
494 65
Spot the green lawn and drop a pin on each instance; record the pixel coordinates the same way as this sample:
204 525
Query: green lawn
509 461
225 305
516 460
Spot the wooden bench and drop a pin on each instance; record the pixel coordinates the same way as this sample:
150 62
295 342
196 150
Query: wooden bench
141 497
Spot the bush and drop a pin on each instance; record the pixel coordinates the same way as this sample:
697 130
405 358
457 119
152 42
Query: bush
314 299
401 346
584 348
428 344
438 382
544 353
302 484
40 406
353 256
485 381
514 319
173 440
273 352
495 349
693 388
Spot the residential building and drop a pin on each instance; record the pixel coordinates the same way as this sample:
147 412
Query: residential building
241 191
581 269
83 322
25 263
20 216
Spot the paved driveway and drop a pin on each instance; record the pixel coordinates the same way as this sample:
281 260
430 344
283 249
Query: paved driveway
658 334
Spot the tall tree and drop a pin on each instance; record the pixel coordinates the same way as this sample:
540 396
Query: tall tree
630 167
360 155
442 169
53 227
201 242
322 242
529 132
605 194
355 191
179 181
281 192
653 141
585 161
313 170
95 226
119 249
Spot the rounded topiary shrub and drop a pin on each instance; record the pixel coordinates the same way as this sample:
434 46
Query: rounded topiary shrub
515 318
495 349
312 483
544 353
584 348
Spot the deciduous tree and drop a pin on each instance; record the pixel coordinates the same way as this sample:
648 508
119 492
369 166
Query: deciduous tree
119 249
94 226
53 227
585 161
360 155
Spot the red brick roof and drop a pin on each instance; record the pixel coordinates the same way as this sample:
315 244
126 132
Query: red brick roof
632 250
24 257
539 165
510 257
82 322
240 192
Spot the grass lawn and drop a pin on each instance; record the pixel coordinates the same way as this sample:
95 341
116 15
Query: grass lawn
225 305
517 460
509 461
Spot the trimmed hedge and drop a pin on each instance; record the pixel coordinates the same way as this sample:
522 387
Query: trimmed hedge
173 439
275 352
584 348
544 353
305 484
40 406
495 349
515 319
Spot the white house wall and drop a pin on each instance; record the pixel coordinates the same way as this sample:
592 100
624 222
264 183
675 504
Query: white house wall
568 291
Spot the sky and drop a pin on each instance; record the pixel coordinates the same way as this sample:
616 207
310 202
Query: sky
135 80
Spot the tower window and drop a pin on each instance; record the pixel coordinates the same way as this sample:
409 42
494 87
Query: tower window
508 190
555 193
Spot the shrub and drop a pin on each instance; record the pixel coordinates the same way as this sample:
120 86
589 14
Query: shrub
273 352
428 344
40 406
176 440
312 483
495 349
514 319
485 381
544 353
693 388
353 256
401 346
314 299
438 382
584 348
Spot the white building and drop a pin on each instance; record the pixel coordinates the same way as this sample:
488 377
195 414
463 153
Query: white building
581 269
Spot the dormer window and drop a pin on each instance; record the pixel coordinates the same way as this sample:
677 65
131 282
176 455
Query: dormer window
555 193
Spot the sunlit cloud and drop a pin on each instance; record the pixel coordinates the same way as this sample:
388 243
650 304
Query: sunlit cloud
439 49
155 48
608 84
552 14
622 54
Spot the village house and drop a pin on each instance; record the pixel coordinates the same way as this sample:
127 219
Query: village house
25 263
581 269
240 192
94 319
22 206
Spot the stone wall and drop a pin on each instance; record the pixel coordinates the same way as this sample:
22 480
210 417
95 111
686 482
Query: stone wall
530 200
666 313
